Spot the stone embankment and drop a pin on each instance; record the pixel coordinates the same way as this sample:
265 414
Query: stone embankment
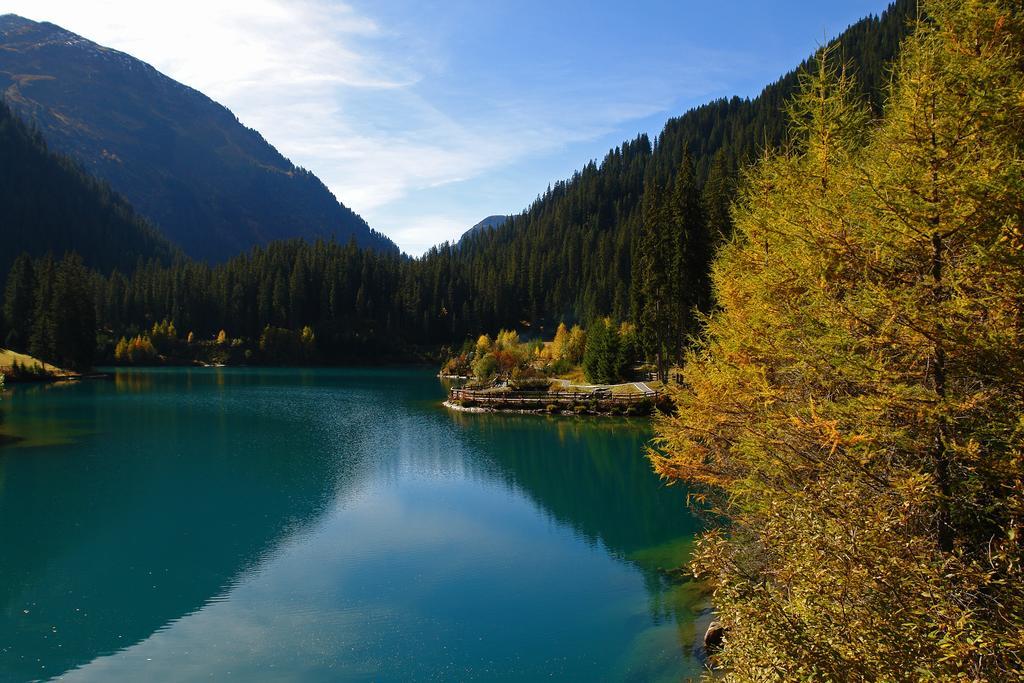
567 402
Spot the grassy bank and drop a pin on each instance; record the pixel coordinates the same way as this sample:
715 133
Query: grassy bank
21 367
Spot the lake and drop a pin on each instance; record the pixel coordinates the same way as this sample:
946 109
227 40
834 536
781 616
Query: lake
324 525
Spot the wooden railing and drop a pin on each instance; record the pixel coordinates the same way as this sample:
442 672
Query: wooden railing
550 397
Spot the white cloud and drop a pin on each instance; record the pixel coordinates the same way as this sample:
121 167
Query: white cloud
430 229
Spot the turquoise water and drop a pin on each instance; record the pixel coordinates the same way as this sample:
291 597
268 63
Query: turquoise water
323 525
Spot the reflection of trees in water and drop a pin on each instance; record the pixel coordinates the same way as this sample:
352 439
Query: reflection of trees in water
590 474
115 542
5 438
133 382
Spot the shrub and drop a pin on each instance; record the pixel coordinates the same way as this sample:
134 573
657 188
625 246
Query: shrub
486 367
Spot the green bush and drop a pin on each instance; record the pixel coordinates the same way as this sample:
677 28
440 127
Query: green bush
530 383
559 367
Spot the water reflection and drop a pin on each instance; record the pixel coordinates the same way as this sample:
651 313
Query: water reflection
3 435
589 474
138 382
583 477
300 498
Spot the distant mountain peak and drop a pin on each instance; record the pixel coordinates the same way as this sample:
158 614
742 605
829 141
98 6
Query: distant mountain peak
489 223
212 185
10 23
11 19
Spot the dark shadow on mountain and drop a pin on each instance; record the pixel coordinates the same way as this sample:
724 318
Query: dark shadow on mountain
213 186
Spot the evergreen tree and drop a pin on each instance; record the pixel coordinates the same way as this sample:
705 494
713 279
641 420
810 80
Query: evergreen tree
652 300
72 316
608 361
673 249
690 255
716 197
19 298
596 335
42 342
628 351
601 360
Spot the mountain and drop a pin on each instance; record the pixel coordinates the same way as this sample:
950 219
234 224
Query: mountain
579 252
213 186
488 223
575 254
48 204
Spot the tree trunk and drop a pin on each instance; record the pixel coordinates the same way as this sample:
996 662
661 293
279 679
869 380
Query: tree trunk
940 455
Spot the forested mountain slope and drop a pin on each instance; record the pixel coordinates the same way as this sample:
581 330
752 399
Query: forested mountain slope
571 253
48 204
213 186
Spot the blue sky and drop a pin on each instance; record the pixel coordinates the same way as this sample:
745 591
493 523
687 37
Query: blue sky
425 117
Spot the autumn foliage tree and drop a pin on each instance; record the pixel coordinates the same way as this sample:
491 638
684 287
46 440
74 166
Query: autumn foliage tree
139 350
559 345
855 408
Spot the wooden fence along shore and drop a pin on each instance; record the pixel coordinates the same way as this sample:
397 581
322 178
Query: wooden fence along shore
554 402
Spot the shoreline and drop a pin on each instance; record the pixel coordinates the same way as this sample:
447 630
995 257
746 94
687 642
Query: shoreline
57 379
384 363
464 409
479 410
